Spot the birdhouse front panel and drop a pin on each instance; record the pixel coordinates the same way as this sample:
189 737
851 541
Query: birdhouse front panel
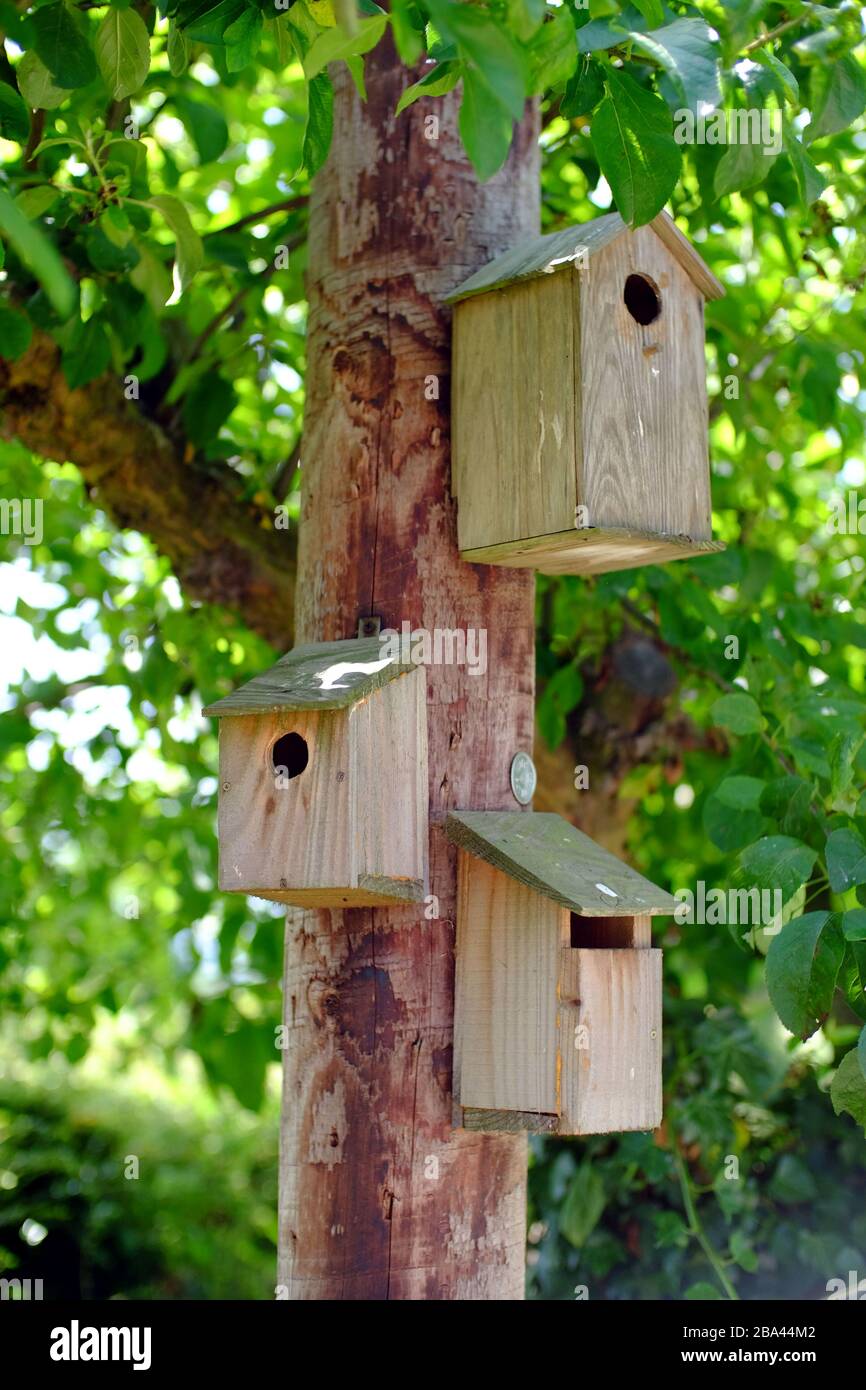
579 401
558 991
323 780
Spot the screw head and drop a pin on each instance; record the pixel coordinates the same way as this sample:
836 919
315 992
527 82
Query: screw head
226 786
523 778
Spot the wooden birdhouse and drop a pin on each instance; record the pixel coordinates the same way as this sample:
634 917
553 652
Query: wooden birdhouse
323 779
579 401
558 1022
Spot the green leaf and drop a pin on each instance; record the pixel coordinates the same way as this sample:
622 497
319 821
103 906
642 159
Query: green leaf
838 97
207 407
37 252
336 43
778 861
63 47
35 202
741 793
123 52
178 50
407 26
848 1088
743 1252
14 116
189 253
652 12
702 1293
87 355
584 90
551 52
854 924
15 333
495 57
436 83
207 127
787 84
742 166
633 141
739 713
35 85
861 1051
727 832
320 123
810 181
802 965
243 38
846 860
843 749
688 54
485 130
584 1205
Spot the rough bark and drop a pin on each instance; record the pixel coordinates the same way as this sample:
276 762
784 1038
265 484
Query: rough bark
380 1198
222 548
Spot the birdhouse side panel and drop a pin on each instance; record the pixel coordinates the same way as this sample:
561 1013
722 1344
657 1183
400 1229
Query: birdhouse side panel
642 390
514 450
388 737
284 804
508 944
611 1040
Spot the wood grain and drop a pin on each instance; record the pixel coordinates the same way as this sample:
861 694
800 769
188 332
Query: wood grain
379 1197
643 397
613 1082
559 251
509 940
555 859
351 829
319 675
514 421
595 550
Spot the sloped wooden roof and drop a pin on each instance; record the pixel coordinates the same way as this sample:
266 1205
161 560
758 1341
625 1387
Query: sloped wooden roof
543 255
544 852
320 675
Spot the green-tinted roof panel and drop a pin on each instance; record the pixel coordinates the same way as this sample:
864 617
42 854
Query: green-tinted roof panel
321 675
546 853
542 255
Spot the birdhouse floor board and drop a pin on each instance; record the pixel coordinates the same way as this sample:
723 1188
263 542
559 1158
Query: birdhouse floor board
509 1122
371 892
593 550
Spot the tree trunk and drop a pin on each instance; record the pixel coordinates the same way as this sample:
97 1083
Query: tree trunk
380 1198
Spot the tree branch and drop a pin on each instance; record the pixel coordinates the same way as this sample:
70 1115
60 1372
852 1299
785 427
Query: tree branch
222 547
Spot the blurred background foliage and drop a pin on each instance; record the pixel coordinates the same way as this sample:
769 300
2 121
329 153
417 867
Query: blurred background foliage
139 1006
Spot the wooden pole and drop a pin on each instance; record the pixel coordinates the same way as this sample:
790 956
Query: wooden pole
379 1197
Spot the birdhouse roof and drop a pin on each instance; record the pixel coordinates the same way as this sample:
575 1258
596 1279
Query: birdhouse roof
545 853
320 675
542 255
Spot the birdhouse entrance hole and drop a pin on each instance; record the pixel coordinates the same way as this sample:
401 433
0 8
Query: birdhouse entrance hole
641 298
602 933
290 752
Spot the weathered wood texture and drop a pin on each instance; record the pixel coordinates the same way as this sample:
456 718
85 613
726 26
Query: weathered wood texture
379 1198
550 254
544 852
508 945
351 828
558 1017
643 396
563 400
319 675
611 1041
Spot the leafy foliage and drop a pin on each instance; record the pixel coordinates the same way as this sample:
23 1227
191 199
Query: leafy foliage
153 220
